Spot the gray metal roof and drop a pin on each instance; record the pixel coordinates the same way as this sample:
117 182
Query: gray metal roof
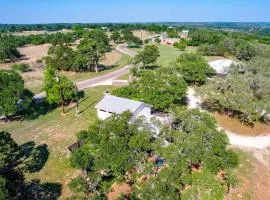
118 105
221 66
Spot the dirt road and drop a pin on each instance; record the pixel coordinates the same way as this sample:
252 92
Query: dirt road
259 142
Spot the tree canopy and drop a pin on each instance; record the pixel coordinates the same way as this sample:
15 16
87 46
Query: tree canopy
148 55
59 89
193 68
11 90
161 88
244 94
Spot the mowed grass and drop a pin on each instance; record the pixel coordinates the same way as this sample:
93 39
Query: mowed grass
168 54
58 132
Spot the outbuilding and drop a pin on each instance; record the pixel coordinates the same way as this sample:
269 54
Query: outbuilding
221 66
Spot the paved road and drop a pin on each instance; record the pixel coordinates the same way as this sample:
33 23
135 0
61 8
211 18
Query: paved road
104 78
92 82
123 49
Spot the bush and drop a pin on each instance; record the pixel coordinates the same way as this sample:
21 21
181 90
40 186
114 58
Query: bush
78 185
157 40
21 67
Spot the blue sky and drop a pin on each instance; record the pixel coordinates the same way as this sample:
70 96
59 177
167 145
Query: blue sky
51 11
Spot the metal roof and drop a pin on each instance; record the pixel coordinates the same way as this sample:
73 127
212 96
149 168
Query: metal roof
118 105
221 66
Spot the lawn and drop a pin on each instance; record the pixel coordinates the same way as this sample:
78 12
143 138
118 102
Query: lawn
58 132
168 54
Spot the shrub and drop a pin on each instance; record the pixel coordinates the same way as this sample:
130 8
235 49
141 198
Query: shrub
21 67
78 185
157 40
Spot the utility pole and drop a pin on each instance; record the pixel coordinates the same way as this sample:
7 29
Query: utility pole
61 92
77 100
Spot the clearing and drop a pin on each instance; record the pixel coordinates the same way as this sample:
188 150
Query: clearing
143 34
254 179
234 125
27 33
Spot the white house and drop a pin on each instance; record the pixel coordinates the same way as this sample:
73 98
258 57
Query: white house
116 105
221 66
184 34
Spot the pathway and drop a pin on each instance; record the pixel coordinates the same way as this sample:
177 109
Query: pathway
259 142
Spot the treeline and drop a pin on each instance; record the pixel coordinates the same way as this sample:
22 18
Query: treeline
243 46
56 27
55 38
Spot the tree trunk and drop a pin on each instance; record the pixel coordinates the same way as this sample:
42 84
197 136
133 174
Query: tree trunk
62 102
63 108
96 67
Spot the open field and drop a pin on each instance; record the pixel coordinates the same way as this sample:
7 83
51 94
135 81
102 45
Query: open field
168 53
27 33
142 34
58 132
31 54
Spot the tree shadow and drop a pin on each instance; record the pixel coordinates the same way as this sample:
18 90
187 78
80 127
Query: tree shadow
37 159
30 158
151 67
23 152
35 190
38 109
93 103
105 68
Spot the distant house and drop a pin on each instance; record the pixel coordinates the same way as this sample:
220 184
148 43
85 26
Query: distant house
169 41
116 105
221 66
184 34
104 28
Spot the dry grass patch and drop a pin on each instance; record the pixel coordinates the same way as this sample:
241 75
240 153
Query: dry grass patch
27 33
142 34
117 190
234 125
254 178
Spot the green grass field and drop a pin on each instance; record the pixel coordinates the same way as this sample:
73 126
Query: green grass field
168 54
58 132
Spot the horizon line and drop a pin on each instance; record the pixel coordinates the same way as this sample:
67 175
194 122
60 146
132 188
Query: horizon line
148 22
